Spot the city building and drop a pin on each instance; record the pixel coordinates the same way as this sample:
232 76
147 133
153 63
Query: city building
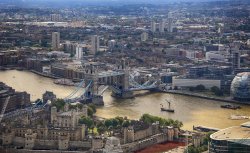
79 51
11 100
153 26
69 47
111 45
162 26
68 118
215 56
55 17
144 36
186 83
95 44
55 40
170 24
9 57
235 59
232 139
240 87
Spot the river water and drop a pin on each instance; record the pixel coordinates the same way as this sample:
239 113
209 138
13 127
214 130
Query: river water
190 110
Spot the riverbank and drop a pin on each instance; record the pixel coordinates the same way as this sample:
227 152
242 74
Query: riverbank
44 75
6 68
228 99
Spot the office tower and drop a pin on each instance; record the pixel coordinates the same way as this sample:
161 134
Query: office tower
55 40
153 26
170 24
55 17
235 59
111 44
79 52
144 36
94 44
162 26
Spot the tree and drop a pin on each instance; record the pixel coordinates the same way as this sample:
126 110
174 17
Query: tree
214 88
163 122
115 122
93 107
101 129
217 91
59 104
108 123
90 112
120 119
191 89
125 123
87 121
200 87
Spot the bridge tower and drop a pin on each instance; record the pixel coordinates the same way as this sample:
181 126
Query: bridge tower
125 92
92 92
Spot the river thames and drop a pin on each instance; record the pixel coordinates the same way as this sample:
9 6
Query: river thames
190 110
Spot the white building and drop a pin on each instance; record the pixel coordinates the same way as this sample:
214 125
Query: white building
215 56
170 24
95 44
55 17
55 40
190 54
183 82
248 42
144 36
79 51
153 26
112 145
111 44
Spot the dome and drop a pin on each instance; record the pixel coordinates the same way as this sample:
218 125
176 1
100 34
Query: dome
240 87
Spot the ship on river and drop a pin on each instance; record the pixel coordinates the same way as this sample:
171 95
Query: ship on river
66 82
167 109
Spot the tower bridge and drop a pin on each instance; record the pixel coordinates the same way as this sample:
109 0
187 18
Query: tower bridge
119 81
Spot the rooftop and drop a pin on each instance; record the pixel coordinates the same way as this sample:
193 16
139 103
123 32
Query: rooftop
234 133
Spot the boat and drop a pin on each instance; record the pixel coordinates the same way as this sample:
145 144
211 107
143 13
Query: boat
66 82
238 117
167 109
230 107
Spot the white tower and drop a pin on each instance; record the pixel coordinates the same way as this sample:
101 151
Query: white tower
153 26
144 36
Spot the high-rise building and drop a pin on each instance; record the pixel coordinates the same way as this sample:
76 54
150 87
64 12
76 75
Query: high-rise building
144 36
94 44
79 52
111 44
55 40
153 26
162 26
235 59
170 24
55 17
69 47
